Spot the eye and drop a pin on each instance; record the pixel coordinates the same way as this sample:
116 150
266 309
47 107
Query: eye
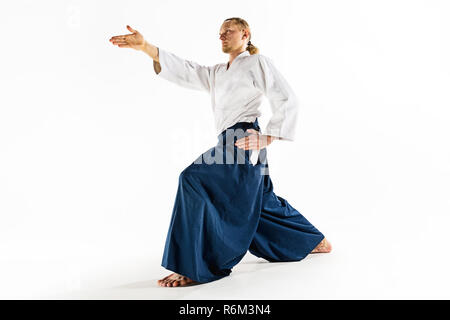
226 32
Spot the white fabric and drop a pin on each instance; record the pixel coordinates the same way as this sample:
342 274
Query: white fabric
237 93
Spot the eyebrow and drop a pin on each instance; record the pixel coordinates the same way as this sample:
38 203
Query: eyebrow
226 30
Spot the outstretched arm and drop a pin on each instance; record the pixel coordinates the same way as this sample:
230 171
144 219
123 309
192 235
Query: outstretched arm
167 65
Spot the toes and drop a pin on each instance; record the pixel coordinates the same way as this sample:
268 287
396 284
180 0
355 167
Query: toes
169 283
323 247
175 280
163 282
330 247
320 247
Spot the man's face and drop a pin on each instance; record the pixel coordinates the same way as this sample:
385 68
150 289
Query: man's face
232 38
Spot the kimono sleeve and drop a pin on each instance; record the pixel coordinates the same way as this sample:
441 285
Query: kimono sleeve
183 72
283 101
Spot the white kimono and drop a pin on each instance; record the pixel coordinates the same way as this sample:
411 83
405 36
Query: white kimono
236 93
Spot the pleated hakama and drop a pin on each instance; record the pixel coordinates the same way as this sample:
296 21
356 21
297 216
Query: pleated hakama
225 206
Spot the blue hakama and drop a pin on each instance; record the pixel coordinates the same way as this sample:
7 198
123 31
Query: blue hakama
225 205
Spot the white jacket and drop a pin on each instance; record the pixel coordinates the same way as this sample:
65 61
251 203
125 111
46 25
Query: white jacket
236 93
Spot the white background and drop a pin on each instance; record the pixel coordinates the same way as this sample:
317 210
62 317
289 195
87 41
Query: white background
92 143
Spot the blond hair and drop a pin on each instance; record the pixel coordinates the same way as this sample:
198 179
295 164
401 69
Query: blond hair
243 25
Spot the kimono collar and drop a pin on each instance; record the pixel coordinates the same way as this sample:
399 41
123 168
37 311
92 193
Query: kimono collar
242 54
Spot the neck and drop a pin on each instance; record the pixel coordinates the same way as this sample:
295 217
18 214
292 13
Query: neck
234 54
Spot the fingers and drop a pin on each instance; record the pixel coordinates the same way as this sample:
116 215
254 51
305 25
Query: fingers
119 42
123 37
119 38
122 44
251 142
131 29
253 131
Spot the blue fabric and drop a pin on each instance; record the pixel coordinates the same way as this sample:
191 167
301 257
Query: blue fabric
225 205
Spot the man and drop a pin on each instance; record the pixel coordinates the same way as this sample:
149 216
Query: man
221 211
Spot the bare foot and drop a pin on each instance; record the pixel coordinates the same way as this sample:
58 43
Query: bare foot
175 280
323 247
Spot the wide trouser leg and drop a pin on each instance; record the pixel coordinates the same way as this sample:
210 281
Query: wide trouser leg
215 216
283 234
221 211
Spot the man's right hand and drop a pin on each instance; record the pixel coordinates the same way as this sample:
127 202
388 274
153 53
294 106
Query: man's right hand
134 40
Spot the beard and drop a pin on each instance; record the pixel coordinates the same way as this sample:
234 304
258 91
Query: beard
226 48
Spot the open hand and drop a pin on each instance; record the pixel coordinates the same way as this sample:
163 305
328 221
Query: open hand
134 40
255 141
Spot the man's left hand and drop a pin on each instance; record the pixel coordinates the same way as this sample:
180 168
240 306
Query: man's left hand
255 141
